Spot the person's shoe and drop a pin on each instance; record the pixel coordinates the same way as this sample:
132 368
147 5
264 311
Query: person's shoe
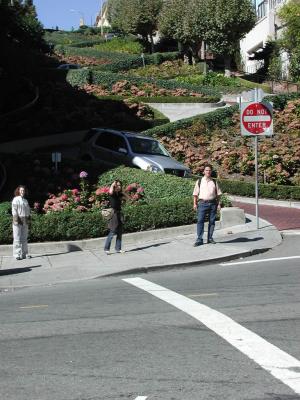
211 241
121 251
107 252
196 244
18 258
28 256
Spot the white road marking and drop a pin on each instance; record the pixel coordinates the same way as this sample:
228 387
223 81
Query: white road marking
261 261
141 398
279 363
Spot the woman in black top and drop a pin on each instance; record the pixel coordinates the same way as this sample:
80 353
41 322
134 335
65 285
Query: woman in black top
115 225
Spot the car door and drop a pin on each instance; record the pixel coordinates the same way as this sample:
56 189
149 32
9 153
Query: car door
111 148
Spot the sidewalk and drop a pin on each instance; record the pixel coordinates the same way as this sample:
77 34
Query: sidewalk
54 263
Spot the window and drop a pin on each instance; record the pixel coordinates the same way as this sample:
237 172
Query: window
147 146
111 141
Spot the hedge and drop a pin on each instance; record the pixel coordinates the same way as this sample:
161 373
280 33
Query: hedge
59 226
162 99
218 118
280 101
282 192
221 118
80 77
118 61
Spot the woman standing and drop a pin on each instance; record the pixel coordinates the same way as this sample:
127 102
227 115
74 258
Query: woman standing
21 218
115 224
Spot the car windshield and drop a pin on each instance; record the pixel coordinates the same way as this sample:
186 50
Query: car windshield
147 146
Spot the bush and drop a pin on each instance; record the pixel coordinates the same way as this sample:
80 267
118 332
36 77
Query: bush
116 61
122 45
280 101
168 203
220 118
282 192
106 79
156 186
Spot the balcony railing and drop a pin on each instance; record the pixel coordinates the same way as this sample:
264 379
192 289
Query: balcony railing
262 10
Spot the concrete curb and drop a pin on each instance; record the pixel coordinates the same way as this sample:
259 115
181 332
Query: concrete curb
152 268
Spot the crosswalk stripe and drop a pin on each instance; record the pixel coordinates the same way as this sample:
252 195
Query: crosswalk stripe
279 363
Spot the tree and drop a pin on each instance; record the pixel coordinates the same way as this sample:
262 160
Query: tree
184 22
138 17
21 37
290 39
227 22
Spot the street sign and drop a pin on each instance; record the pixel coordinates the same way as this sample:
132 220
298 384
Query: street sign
256 119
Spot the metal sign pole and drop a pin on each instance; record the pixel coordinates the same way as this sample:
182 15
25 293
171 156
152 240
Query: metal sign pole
256 171
256 181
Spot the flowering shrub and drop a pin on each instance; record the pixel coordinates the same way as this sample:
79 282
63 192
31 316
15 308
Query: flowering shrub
127 89
135 192
83 200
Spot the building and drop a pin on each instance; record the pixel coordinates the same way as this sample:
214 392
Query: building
268 27
101 19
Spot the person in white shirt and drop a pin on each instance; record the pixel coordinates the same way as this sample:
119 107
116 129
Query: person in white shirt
21 219
206 201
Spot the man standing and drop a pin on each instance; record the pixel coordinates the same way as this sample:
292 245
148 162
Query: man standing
206 201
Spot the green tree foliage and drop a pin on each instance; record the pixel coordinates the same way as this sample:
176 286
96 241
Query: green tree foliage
135 16
227 22
184 21
21 35
290 40
221 23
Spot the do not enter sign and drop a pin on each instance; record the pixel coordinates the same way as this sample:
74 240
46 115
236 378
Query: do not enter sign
256 119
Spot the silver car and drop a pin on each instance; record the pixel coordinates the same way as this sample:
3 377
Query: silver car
115 148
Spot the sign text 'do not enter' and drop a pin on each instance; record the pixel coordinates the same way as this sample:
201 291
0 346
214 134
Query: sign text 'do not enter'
256 118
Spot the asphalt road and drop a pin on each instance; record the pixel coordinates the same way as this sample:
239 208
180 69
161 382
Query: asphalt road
107 339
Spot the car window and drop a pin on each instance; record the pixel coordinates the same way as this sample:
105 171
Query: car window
111 141
147 146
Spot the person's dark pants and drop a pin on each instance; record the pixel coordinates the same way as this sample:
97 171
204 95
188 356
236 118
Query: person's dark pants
110 235
210 209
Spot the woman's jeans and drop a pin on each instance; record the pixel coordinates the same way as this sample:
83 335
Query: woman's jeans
209 208
111 234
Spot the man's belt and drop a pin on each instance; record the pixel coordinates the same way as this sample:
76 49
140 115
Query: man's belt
208 201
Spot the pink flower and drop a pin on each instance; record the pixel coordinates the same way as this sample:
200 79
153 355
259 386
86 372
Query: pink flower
83 175
140 190
102 190
75 192
64 197
77 199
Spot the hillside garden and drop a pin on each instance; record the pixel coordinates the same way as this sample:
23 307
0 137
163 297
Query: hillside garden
112 90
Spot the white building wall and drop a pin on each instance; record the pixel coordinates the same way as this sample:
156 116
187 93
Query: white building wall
265 29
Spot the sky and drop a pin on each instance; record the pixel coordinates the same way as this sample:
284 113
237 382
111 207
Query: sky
52 13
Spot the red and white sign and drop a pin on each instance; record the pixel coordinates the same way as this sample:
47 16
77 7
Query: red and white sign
256 119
